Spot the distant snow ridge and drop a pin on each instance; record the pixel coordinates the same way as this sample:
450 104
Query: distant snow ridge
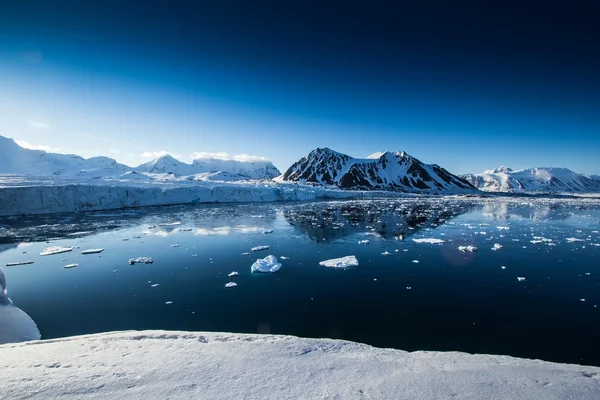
395 171
534 180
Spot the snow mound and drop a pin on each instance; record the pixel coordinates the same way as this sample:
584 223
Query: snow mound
187 365
343 262
267 264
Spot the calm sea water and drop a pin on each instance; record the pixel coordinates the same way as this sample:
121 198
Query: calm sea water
416 296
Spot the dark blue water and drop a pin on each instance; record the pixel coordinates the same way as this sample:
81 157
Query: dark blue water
456 301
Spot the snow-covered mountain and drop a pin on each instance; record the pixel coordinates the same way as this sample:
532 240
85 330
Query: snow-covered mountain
211 168
396 171
15 159
534 180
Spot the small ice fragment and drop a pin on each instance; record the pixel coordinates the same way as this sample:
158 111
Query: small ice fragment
260 248
92 251
375 279
175 245
230 284
396 250
503 228
71 266
14 264
572 240
343 262
581 299
409 287
520 278
503 267
415 261
141 260
497 246
194 255
467 248
428 240
386 253
155 285
366 241
168 302
284 258
234 273
268 231
587 273
48 251
267 264
245 254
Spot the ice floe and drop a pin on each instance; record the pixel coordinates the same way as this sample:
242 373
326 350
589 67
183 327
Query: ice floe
342 262
366 241
467 248
386 253
71 265
92 251
48 251
234 273
267 264
141 260
497 246
520 278
428 240
17 263
503 228
415 261
230 284
572 240
260 248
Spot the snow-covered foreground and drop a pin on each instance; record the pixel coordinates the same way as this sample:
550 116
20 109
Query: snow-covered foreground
186 365
19 195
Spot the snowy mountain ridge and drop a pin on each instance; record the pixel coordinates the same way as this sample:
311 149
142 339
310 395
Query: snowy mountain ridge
396 171
534 180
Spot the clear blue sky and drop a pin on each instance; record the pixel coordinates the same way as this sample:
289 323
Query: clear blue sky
469 88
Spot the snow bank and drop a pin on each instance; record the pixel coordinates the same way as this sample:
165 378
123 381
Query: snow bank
188 365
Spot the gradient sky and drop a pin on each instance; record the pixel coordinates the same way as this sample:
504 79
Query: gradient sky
467 85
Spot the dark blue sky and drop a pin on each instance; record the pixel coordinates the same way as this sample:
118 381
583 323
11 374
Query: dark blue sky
467 85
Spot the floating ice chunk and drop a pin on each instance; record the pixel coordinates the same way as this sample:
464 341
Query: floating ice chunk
71 266
520 278
587 273
497 246
503 267
260 248
284 258
581 299
366 241
415 261
92 251
467 248
343 262
386 253
503 228
268 231
572 239
230 284
141 260
194 255
234 273
408 288
175 245
168 302
428 240
15 264
48 251
155 285
171 224
267 264
246 254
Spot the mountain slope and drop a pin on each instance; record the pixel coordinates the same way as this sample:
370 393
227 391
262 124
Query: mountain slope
534 180
381 171
15 159
166 164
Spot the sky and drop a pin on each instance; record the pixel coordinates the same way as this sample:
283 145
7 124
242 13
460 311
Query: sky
469 85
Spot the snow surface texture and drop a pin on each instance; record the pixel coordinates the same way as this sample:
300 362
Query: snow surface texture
186 365
15 325
267 264
534 180
396 171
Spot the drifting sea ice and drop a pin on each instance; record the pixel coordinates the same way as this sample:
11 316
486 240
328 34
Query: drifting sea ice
366 241
234 273
15 264
428 240
71 266
520 278
48 251
467 248
141 260
497 246
92 251
343 262
230 284
267 264
260 248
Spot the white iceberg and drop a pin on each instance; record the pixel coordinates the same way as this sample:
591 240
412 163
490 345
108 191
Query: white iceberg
343 262
520 278
497 246
15 325
260 248
267 264
467 248
428 240
92 251
48 251
71 266
234 273
230 284
386 253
